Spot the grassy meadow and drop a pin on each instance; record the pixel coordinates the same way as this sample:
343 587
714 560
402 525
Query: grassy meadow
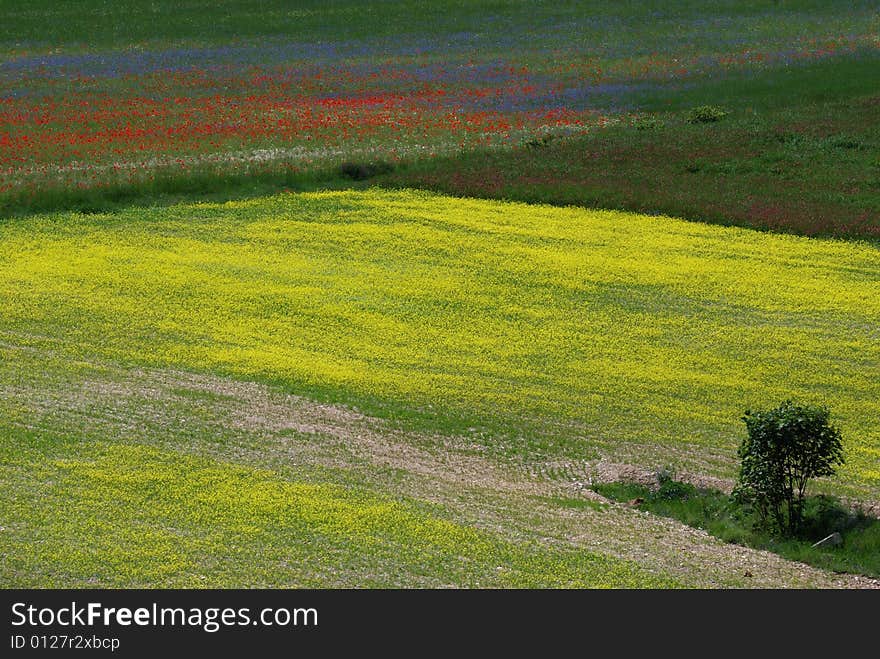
112 103
798 152
538 334
373 294
562 329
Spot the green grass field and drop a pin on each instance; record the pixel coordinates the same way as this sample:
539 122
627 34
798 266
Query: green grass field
722 517
130 516
798 152
536 335
100 25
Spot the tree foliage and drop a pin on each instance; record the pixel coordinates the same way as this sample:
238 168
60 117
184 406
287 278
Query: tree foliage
786 447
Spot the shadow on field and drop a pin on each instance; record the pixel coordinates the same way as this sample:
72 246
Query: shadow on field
832 537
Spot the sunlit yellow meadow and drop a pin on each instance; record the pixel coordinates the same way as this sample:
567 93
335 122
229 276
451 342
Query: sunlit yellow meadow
130 516
572 331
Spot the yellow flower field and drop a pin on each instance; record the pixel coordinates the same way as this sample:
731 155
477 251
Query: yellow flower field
536 330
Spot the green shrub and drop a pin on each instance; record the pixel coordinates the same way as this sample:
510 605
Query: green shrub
705 114
665 474
845 142
360 171
648 123
674 491
786 447
540 142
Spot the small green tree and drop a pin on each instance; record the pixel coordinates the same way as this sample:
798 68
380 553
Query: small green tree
786 447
